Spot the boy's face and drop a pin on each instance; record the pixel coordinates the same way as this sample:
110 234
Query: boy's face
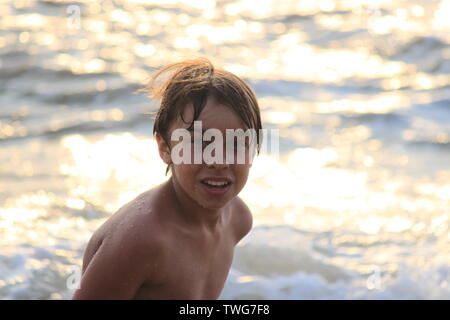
202 182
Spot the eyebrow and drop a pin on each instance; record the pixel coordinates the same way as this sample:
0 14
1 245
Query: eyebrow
192 129
204 130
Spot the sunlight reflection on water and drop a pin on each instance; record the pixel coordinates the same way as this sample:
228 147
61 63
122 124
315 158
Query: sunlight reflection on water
358 89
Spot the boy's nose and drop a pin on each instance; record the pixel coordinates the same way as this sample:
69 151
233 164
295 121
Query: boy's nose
215 165
215 160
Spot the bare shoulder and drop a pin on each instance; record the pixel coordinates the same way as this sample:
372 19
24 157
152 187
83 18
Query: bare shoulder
242 218
122 254
134 225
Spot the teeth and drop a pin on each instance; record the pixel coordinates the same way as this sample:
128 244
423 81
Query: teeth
216 183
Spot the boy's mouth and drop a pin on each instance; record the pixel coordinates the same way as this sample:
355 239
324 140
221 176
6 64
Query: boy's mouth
216 185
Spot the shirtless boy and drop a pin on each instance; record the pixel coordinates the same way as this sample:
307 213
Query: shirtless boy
176 241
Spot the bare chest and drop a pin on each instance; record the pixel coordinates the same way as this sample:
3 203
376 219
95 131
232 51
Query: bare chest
192 272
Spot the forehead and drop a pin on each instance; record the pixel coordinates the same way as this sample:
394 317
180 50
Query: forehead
214 115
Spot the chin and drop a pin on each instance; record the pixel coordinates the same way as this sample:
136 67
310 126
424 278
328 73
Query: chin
215 204
210 201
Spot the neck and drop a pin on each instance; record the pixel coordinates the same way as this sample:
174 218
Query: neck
191 212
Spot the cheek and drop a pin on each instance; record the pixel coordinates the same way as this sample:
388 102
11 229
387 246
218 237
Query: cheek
186 174
241 174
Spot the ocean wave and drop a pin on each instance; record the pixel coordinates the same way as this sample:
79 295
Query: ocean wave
282 263
412 282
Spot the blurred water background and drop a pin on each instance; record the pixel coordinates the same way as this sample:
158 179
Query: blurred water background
356 206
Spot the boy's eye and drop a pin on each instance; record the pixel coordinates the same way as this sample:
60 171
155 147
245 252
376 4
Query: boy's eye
238 143
200 142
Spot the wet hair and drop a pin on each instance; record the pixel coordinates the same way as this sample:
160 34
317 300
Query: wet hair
193 81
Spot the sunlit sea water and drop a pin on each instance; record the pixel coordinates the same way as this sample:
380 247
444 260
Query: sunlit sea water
356 206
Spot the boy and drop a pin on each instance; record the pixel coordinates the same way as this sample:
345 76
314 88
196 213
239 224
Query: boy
176 240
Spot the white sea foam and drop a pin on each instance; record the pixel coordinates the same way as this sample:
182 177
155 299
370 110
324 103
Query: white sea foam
295 270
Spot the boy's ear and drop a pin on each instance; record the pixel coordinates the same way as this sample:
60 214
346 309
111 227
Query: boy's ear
163 148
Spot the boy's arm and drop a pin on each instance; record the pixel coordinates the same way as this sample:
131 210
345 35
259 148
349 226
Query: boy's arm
117 270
